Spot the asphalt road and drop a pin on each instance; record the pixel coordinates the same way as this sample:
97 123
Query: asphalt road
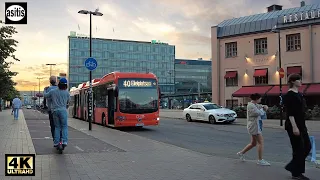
79 142
223 140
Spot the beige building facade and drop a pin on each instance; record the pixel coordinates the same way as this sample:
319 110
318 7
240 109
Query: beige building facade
245 54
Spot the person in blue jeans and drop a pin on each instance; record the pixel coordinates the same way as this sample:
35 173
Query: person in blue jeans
53 81
59 101
16 105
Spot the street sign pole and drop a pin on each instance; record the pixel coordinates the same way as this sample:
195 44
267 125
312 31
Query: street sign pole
90 79
280 79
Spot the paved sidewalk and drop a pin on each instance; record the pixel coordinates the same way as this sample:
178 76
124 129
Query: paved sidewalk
141 159
313 126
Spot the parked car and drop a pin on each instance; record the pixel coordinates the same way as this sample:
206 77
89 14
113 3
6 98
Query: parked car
210 112
28 107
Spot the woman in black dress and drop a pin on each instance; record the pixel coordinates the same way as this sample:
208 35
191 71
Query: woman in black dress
296 128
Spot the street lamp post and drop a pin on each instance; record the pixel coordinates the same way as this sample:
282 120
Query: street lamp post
39 89
51 67
276 30
95 13
34 95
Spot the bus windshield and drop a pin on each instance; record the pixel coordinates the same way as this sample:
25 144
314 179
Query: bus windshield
138 96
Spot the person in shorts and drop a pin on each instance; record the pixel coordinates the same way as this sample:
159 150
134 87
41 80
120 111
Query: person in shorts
254 113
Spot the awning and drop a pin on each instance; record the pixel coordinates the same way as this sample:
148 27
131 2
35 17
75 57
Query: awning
275 91
260 73
230 74
313 89
294 70
248 90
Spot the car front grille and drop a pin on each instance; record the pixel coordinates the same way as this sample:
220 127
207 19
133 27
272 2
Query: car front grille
228 115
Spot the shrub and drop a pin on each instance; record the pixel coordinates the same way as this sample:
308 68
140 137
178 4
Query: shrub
274 112
315 112
241 112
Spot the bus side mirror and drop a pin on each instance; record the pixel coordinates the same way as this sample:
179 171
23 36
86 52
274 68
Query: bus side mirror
116 91
159 93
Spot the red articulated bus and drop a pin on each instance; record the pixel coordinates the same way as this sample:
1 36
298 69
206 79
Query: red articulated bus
119 100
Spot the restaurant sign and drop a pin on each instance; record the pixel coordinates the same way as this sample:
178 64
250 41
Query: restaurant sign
301 16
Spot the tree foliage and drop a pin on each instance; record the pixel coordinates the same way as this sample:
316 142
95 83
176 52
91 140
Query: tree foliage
7 48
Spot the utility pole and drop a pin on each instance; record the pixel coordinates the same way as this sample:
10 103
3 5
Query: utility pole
39 89
51 67
34 95
95 13
275 29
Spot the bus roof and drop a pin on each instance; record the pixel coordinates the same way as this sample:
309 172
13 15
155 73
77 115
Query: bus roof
113 75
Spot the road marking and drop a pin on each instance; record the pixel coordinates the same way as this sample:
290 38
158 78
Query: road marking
77 147
47 137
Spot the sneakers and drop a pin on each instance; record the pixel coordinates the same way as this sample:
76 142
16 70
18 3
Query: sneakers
262 162
241 156
301 177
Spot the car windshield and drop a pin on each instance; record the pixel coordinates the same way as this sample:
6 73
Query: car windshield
211 106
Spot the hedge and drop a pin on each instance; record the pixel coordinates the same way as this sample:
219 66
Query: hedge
274 113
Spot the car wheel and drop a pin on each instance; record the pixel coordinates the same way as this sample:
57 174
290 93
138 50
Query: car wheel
212 120
188 117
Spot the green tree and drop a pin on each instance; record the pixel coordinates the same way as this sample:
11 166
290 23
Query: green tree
7 48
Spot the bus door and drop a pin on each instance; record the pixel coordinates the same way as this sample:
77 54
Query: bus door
111 106
75 109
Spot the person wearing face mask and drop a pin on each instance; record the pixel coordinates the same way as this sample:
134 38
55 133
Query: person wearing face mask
295 125
53 81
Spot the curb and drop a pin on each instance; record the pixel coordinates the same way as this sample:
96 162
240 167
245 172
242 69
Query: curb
236 123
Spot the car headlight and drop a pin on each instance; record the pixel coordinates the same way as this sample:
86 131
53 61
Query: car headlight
220 115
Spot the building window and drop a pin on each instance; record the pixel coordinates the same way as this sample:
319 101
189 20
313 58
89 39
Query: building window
260 76
294 70
261 46
261 80
293 42
231 49
231 78
231 103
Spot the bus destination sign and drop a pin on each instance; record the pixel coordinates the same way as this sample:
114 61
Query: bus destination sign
135 83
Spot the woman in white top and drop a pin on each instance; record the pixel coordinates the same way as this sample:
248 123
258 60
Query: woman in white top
254 113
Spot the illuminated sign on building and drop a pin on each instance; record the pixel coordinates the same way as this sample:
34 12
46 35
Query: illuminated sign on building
75 34
301 16
157 42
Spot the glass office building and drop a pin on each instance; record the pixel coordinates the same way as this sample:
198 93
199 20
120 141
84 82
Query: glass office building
192 76
123 56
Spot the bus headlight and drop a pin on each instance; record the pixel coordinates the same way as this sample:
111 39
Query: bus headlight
158 119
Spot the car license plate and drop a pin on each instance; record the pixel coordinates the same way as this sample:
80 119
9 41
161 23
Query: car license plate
140 124
230 118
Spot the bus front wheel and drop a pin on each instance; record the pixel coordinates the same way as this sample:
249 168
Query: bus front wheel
103 120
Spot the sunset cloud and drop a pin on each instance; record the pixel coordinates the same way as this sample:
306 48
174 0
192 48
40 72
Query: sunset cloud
183 23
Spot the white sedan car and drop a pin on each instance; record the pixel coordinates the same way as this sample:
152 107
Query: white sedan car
209 112
28 107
